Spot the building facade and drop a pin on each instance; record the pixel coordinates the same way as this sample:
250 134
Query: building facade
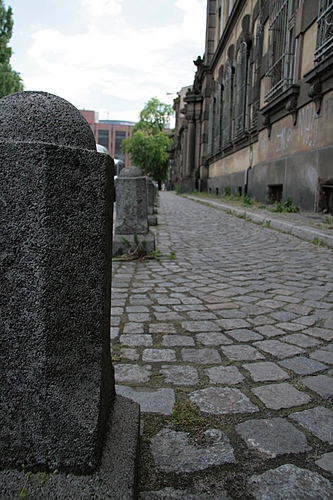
110 134
259 116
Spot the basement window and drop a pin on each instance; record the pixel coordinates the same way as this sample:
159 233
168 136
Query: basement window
275 193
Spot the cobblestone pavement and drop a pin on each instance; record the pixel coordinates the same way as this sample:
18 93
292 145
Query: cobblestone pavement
228 348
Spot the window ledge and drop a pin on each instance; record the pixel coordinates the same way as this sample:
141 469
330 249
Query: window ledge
287 101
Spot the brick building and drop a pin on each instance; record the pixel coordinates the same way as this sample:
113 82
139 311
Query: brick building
259 116
110 134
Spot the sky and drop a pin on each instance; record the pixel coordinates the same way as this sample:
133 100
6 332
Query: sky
110 56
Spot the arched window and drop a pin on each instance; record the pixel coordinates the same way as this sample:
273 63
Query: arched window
242 83
218 112
210 126
280 73
227 105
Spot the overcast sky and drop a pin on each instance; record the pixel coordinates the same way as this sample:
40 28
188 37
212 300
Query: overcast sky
110 56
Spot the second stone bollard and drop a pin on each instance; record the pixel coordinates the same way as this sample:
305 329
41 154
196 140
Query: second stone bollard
152 219
132 235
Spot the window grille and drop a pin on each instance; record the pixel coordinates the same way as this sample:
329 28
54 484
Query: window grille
227 106
280 73
257 63
210 126
324 43
218 116
241 91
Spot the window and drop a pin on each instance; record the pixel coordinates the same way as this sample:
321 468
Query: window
103 138
120 136
227 106
210 126
256 70
241 91
218 115
280 72
324 43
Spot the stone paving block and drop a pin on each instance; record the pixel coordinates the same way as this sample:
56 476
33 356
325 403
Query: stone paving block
137 309
244 335
231 314
277 396
157 355
162 328
201 315
117 311
168 316
278 349
323 355
202 356
114 332
284 316
270 331
321 333
133 328
150 401
298 309
136 340
289 482
173 494
302 365
223 305
178 452
326 462
261 320
177 340
213 338
140 302
253 310
115 320
224 375
222 400
290 327
200 326
271 304
241 352
132 373
180 375
305 320
232 324
272 437
262 372
131 354
301 340
321 384
139 317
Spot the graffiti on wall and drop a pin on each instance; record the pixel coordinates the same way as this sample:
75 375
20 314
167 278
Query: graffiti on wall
308 125
284 139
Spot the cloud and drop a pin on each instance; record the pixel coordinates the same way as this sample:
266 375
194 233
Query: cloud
99 8
119 63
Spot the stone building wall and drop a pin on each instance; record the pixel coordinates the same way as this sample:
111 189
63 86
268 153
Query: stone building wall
261 104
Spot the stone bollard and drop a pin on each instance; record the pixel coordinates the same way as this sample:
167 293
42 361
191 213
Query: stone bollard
155 198
57 385
152 219
131 214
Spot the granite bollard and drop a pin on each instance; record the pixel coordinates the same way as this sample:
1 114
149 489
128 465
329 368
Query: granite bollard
152 219
132 214
58 401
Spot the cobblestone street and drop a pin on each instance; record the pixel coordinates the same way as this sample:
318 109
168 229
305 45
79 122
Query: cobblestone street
227 344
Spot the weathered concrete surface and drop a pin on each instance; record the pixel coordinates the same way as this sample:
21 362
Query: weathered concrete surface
115 479
262 286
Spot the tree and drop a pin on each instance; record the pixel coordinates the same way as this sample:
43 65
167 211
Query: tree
10 80
149 145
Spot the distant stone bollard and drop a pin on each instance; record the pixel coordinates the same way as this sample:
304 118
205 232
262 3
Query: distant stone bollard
152 219
56 377
132 214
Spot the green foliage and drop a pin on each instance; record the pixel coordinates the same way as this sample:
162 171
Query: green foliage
172 255
149 146
177 188
10 80
287 207
226 191
246 201
154 117
137 249
187 415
